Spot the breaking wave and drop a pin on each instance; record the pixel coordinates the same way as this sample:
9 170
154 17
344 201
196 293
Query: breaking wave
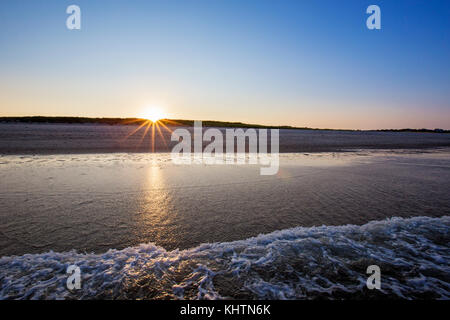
300 263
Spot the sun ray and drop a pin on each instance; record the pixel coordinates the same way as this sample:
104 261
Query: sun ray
161 134
134 120
135 130
153 137
165 127
152 118
172 122
145 132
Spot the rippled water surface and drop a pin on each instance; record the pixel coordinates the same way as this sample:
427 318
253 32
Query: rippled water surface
96 202
140 226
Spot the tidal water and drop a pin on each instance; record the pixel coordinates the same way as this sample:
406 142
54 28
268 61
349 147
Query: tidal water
140 226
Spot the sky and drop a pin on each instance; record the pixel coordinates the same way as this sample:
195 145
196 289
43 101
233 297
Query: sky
299 63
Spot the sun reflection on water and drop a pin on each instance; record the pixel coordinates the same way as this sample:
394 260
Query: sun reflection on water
156 213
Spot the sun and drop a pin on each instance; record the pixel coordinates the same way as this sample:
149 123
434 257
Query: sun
153 114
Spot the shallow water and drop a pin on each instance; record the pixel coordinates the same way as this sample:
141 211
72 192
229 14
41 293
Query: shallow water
93 203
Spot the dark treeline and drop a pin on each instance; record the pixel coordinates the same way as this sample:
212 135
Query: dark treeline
180 122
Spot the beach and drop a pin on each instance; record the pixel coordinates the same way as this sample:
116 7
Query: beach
20 138
135 221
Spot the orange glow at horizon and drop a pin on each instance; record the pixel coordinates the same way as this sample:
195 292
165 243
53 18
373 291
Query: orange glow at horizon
153 114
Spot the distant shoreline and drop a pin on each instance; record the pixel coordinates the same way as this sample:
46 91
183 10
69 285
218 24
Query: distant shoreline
57 137
183 122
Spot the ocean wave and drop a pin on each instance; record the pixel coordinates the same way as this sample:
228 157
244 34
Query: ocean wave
300 263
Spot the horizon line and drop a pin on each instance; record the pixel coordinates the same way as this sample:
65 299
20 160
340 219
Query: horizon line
185 122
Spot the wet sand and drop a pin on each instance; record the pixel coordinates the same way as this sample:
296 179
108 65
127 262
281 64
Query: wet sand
64 139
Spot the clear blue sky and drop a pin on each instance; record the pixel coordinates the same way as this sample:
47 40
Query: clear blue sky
301 63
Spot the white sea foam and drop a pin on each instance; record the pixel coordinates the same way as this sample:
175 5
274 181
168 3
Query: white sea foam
325 262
